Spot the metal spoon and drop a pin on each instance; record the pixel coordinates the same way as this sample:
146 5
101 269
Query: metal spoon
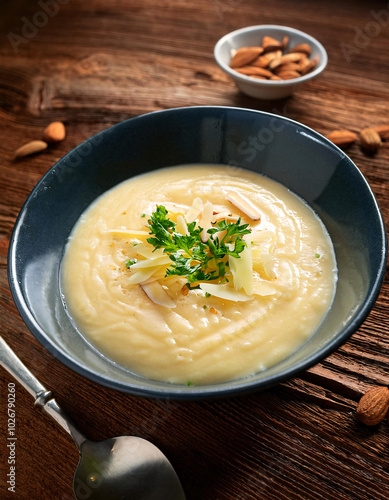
121 468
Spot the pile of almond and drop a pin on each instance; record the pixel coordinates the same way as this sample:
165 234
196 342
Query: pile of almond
370 138
54 132
373 406
272 60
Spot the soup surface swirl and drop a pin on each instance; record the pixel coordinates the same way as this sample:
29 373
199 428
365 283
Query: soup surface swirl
199 338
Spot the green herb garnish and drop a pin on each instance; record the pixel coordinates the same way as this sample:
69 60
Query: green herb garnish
191 257
129 263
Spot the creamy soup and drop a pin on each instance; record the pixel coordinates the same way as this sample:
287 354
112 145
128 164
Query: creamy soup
242 313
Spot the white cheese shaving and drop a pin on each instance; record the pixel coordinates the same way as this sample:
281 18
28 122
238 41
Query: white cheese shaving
158 295
244 204
268 265
159 261
148 251
218 209
194 211
242 269
158 275
205 221
181 226
173 280
142 275
224 215
263 263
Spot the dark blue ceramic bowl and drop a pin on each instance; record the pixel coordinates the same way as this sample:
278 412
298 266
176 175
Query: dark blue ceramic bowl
282 149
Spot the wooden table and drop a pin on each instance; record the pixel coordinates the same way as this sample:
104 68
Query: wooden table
92 64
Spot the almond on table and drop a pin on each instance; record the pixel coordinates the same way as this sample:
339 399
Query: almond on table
383 131
30 148
342 138
54 132
373 406
370 139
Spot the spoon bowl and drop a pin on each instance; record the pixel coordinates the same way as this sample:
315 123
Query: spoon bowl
125 467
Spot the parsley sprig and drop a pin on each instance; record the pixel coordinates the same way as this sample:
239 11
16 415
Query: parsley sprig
191 257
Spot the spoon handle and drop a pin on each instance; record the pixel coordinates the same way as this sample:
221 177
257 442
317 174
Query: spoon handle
43 398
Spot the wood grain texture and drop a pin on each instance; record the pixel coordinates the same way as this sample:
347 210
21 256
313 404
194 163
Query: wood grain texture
95 63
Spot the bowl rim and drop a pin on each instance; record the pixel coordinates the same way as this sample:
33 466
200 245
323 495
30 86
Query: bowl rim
175 391
269 83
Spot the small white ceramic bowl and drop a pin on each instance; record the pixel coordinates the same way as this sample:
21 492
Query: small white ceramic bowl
252 36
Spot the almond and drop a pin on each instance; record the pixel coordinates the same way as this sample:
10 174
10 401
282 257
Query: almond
245 55
287 67
275 63
285 42
370 139
262 61
307 65
287 59
275 54
303 61
288 74
30 148
302 47
269 43
342 138
54 132
373 406
383 131
254 70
